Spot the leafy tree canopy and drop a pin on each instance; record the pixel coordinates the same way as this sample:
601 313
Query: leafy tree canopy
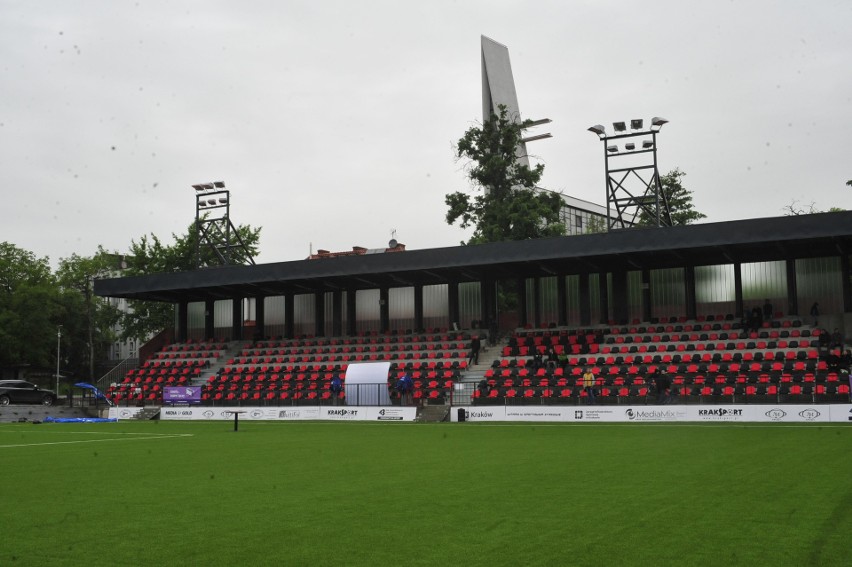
30 308
507 205
90 328
149 255
679 198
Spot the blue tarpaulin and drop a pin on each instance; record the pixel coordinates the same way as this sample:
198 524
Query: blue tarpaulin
98 394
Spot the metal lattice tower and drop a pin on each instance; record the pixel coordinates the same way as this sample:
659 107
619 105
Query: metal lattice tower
214 231
632 178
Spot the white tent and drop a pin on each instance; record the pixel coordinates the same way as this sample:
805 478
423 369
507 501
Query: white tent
367 384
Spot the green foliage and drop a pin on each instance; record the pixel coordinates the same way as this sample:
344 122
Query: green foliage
596 225
679 198
708 491
149 255
30 309
90 331
507 205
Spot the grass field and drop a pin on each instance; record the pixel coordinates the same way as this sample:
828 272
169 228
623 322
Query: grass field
278 493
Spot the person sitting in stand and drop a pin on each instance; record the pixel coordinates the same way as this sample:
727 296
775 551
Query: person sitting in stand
836 338
538 360
336 388
552 359
484 388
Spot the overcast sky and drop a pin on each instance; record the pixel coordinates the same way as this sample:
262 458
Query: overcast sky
333 122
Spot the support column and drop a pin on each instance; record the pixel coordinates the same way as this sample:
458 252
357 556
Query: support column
604 298
237 319
319 314
647 312
620 309
561 301
489 310
585 302
209 321
351 297
289 316
259 318
337 313
183 321
453 304
793 286
523 315
537 302
689 283
384 310
738 290
418 308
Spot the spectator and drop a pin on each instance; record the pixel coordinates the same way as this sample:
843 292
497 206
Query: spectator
767 311
846 360
663 385
836 339
405 387
336 388
589 386
756 319
538 360
552 359
475 345
824 339
815 312
484 388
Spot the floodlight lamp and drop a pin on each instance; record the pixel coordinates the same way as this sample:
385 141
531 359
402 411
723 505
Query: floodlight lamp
636 124
612 149
619 126
630 146
647 144
211 202
657 123
223 201
599 130
219 184
198 187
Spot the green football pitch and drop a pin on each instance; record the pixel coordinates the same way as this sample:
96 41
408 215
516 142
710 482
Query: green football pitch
311 493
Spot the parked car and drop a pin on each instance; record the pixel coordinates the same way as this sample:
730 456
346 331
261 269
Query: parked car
21 392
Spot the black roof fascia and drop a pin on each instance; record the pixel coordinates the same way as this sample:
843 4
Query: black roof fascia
802 236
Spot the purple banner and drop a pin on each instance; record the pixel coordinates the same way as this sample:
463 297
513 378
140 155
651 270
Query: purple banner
182 395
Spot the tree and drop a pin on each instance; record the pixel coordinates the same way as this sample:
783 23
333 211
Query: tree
596 225
90 320
150 256
679 199
30 309
507 206
793 208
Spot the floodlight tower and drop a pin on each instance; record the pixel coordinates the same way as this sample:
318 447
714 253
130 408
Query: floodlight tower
214 229
635 188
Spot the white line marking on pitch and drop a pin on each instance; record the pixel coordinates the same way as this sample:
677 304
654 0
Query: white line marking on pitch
165 436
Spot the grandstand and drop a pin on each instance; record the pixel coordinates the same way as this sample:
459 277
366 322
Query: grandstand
626 304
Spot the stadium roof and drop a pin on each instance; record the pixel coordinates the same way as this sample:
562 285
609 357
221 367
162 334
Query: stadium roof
754 240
